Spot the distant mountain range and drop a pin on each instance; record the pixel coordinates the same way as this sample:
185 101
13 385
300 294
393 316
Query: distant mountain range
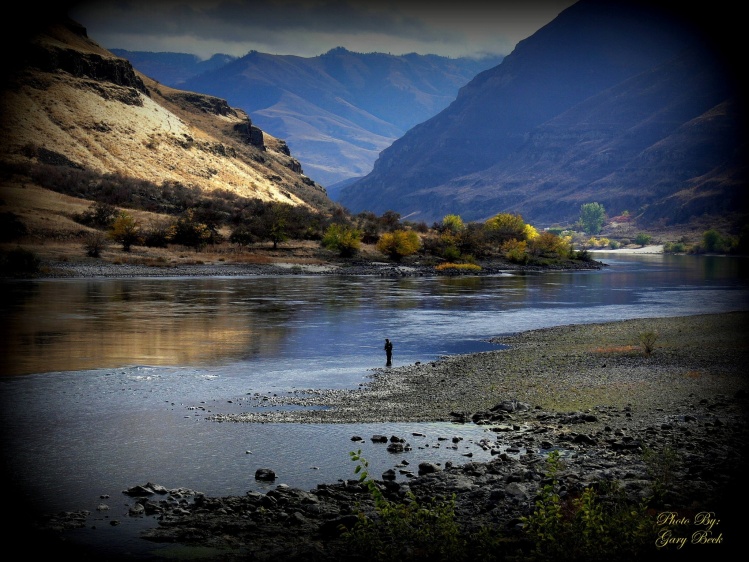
336 111
621 102
615 101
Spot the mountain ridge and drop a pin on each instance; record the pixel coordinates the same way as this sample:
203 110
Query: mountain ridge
337 111
476 157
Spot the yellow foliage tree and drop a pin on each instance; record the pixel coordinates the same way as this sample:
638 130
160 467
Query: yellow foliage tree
506 226
399 243
125 230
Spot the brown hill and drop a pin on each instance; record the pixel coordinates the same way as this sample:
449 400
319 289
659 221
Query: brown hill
71 109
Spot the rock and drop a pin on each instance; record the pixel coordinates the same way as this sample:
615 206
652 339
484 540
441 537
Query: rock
265 474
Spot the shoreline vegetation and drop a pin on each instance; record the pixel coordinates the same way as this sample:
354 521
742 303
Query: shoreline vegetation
651 411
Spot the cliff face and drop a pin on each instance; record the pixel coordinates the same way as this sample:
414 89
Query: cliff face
71 103
625 103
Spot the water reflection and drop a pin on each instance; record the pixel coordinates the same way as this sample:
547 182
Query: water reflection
77 325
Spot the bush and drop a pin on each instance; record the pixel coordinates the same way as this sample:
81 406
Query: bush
188 231
125 230
404 531
94 244
342 239
515 251
98 215
675 248
647 341
399 244
643 239
598 524
448 266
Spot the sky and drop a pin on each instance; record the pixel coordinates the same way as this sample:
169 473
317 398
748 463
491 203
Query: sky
312 27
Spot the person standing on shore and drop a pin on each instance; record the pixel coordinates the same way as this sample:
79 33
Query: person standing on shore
389 352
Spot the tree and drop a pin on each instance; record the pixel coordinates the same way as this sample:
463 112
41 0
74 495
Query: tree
343 239
189 232
125 230
592 217
452 223
399 243
550 245
506 226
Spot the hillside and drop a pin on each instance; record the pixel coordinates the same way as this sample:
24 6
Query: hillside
73 113
336 111
623 103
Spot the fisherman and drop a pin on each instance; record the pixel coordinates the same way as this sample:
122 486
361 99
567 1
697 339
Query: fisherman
389 352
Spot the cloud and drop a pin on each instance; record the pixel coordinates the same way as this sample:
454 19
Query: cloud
312 27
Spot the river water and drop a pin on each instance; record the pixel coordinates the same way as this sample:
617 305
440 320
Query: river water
106 383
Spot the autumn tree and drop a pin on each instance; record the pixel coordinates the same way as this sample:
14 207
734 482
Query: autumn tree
399 244
343 239
125 230
506 226
190 232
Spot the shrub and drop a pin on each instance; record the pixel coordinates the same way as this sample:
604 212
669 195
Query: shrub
187 231
343 239
457 267
94 244
643 239
98 215
675 247
661 466
549 244
399 244
515 251
407 530
452 223
647 341
506 226
125 230
598 524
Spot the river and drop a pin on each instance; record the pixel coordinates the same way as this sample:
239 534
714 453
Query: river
106 383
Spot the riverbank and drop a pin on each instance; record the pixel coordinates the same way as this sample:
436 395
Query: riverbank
589 391
102 269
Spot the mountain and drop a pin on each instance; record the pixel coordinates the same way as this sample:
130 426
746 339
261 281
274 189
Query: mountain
624 103
172 69
74 115
336 111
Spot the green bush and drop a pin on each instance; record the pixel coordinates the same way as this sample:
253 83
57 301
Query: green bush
643 239
647 341
343 239
599 524
404 531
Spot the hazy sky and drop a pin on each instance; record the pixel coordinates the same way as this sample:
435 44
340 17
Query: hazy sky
312 27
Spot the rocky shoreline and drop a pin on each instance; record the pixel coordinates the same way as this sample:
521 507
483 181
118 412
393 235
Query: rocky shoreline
99 268
588 391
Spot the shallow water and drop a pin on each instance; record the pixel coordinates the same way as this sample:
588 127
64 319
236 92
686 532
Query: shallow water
106 383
